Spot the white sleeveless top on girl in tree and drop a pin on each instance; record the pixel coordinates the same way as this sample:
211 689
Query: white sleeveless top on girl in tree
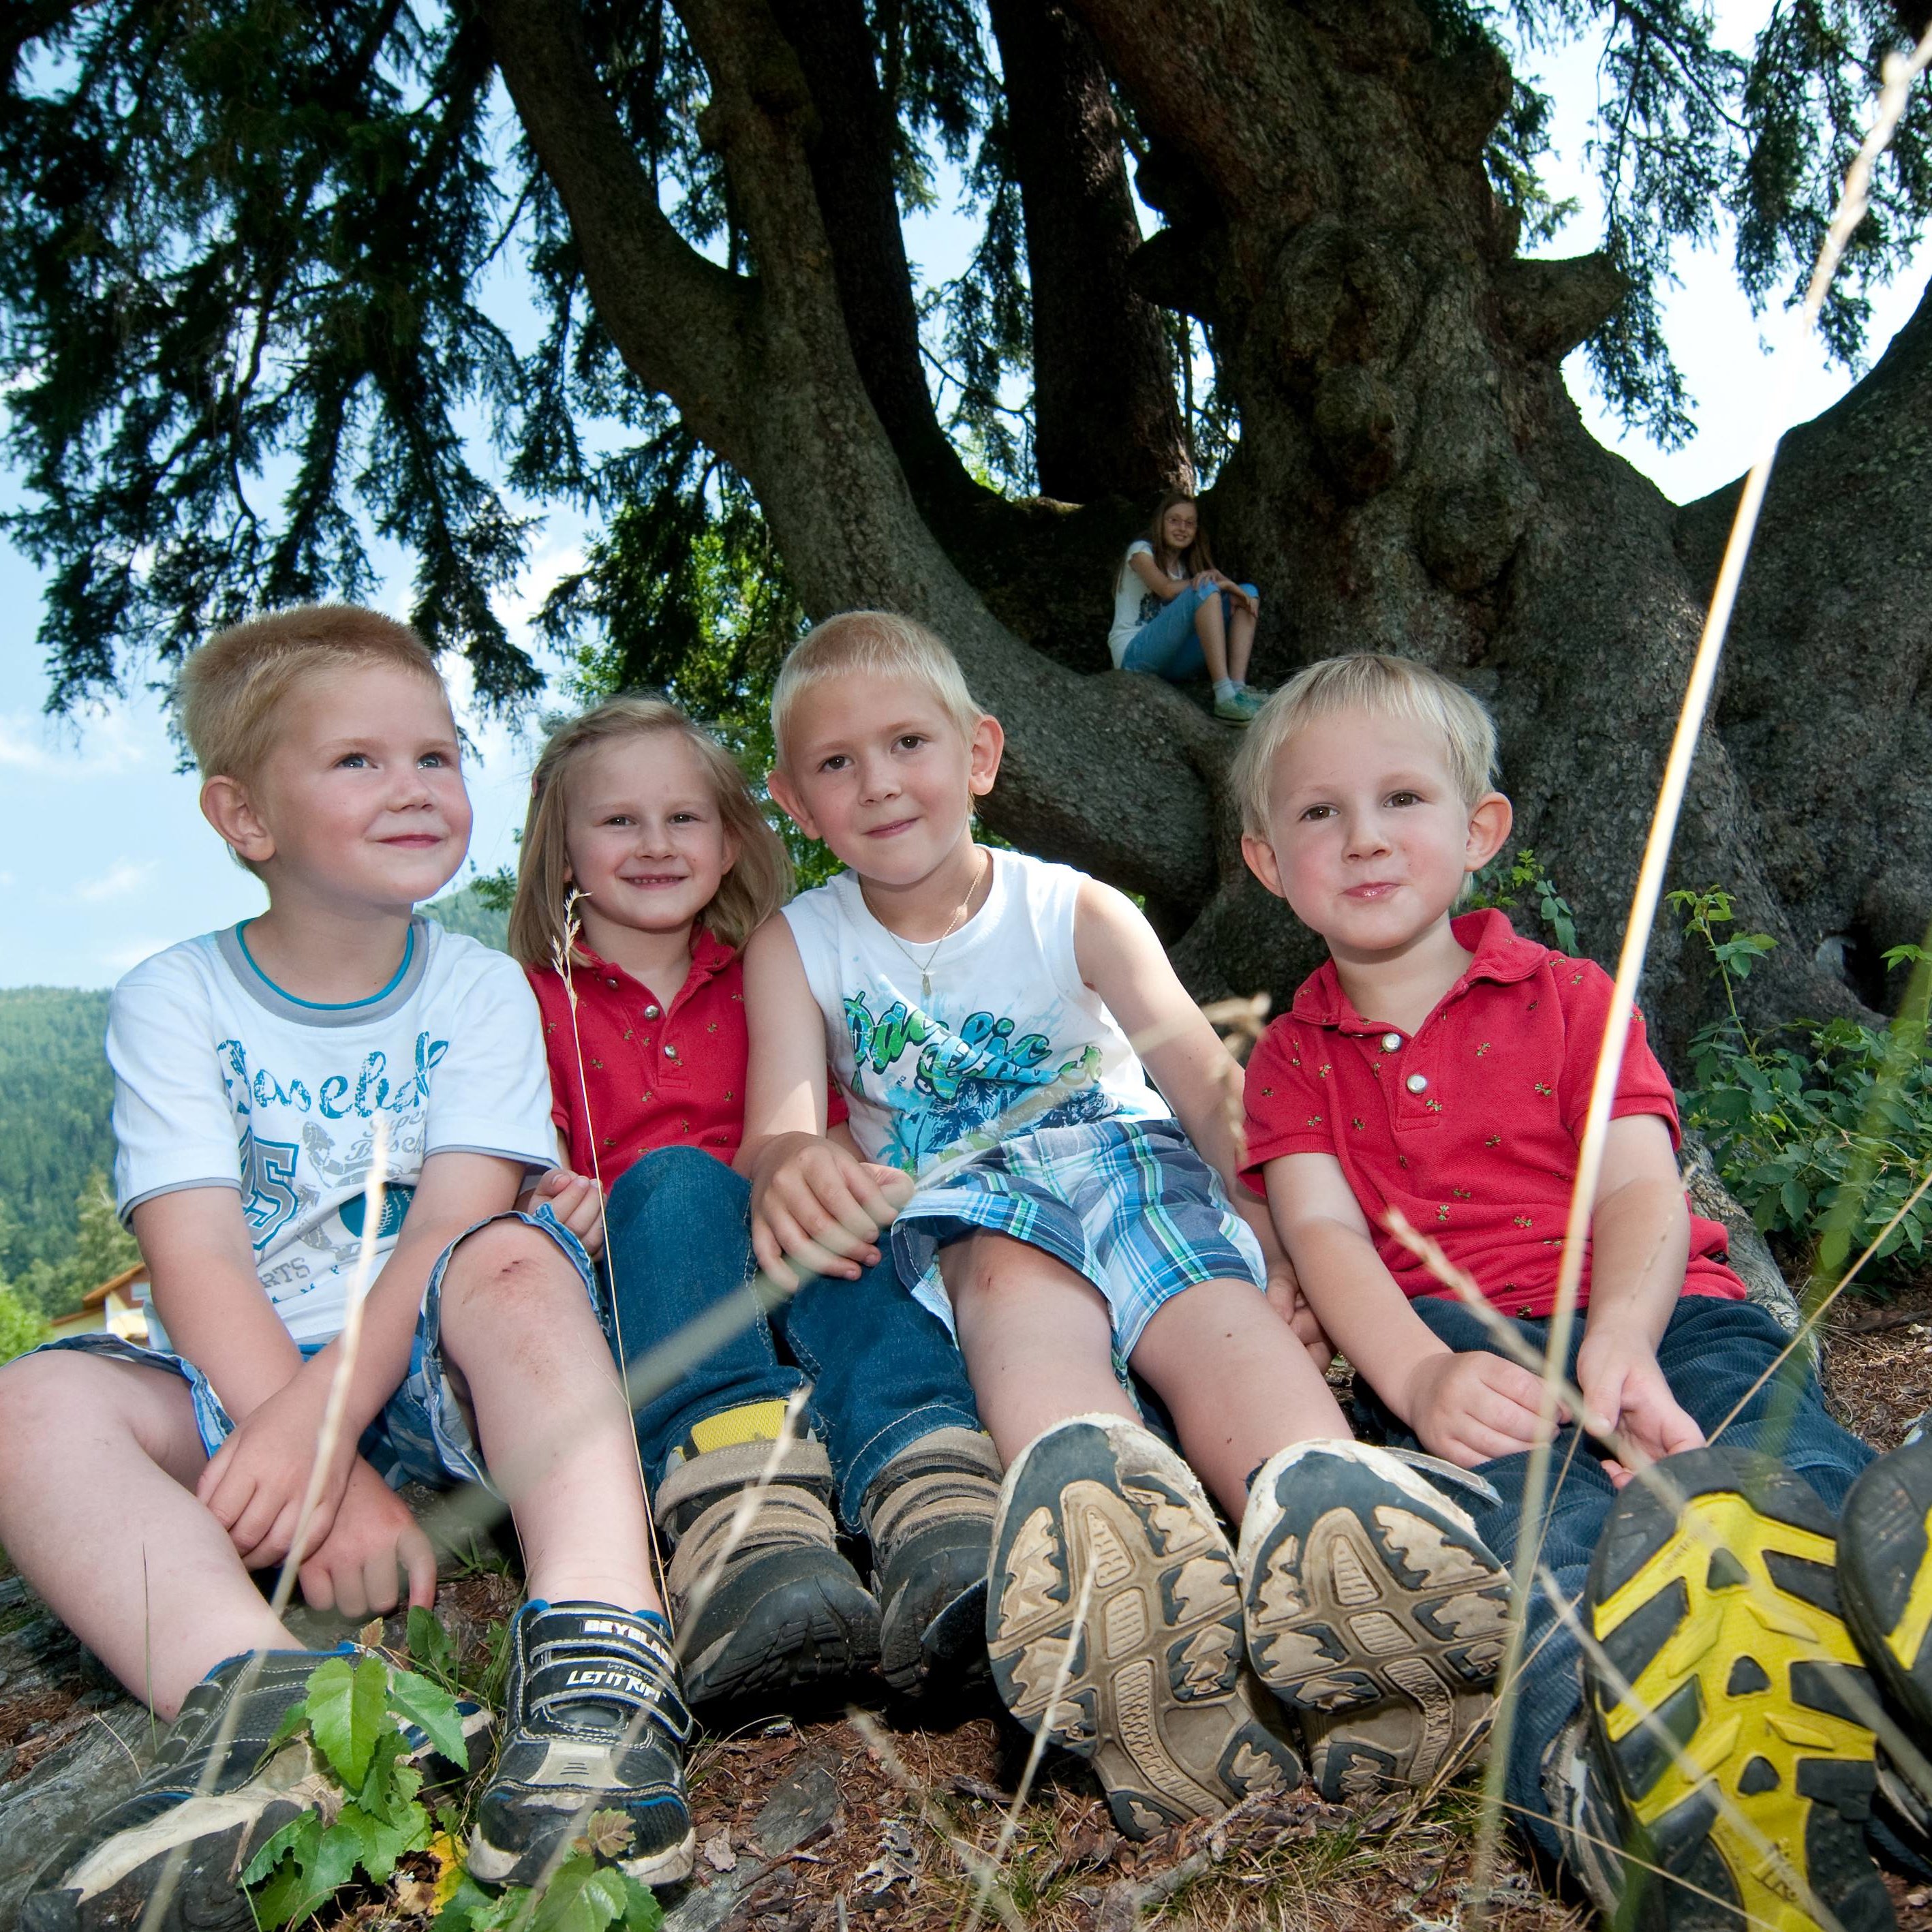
1134 604
1008 1019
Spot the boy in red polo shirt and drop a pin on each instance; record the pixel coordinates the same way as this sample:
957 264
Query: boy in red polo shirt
1441 1067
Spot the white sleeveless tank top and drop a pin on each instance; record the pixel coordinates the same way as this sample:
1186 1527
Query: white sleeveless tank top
1008 1019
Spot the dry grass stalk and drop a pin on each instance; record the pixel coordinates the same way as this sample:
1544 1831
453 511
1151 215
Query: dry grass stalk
1898 75
372 1189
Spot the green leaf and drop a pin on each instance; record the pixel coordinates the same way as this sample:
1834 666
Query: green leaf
581 1896
642 1912
429 1644
298 1832
433 1710
471 1909
380 1841
348 1706
1796 1201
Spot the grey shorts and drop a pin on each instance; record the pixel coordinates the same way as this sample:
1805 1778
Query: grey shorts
422 1435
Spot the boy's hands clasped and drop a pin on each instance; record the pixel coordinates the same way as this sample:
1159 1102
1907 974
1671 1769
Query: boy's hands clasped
816 1207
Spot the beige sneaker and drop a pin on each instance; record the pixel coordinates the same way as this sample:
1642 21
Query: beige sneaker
1148 1686
1374 1611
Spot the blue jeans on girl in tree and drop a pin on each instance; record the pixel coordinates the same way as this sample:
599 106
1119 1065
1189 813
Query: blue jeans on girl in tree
1168 645
883 1373
1711 1353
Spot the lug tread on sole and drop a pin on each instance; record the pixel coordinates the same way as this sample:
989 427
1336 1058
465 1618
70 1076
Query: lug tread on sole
1746 1666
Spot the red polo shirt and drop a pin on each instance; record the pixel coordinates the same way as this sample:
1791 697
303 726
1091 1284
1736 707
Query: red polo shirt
1471 1125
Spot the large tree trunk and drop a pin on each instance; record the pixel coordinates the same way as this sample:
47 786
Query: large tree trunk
1412 476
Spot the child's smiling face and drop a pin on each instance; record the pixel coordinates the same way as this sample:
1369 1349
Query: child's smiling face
1179 524
879 769
649 847
1369 837
361 804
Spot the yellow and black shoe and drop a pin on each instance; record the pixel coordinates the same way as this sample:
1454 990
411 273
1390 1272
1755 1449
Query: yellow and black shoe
1725 1704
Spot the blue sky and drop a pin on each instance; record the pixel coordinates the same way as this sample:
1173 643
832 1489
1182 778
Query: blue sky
107 858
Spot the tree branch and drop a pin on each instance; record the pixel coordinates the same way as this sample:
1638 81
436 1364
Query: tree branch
675 316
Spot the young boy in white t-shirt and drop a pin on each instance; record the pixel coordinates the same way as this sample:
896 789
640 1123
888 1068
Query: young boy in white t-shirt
138 1486
977 1006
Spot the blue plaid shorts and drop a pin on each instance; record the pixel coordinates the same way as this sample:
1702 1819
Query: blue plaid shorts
1129 1204
422 1435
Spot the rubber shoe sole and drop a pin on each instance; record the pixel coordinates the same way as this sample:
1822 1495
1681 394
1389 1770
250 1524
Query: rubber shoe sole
1723 1619
1152 1689
1374 1611
778 1622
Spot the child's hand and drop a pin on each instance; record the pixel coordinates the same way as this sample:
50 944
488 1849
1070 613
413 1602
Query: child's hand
254 1483
1624 1390
373 1541
1473 1407
1286 1299
817 1204
574 1200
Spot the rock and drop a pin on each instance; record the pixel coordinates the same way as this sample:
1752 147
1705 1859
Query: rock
802 1804
67 1787
1750 1255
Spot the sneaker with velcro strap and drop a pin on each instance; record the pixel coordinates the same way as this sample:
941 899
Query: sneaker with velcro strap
928 1514
594 1721
1729 1704
1373 1610
206 1805
762 1600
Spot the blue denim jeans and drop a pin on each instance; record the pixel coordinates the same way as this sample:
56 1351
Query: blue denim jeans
883 1373
1711 1353
1168 645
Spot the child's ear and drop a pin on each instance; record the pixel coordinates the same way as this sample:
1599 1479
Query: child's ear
1262 862
986 747
1490 819
226 804
780 788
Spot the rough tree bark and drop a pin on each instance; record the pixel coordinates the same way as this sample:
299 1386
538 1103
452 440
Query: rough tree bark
1412 476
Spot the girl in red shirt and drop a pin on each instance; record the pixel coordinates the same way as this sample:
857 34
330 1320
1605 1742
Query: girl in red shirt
646 865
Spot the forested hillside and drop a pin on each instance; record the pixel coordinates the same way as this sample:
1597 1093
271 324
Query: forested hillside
56 1098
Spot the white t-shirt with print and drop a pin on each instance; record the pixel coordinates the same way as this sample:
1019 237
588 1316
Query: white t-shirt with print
223 1080
1134 604
1008 1017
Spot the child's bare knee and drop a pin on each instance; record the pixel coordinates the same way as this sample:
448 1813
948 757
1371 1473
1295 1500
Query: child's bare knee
39 1393
506 1268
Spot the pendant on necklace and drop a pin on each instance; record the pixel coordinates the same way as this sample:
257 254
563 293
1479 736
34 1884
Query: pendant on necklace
925 986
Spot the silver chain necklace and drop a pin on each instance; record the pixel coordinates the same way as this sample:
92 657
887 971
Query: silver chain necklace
959 919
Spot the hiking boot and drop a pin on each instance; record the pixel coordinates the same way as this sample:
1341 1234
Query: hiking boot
929 1514
1884 1586
1148 1685
593 1721
1722 1695
769 1603
1374 1611
1586 1824
104 1876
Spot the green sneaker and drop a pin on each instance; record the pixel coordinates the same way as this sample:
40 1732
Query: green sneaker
1235 709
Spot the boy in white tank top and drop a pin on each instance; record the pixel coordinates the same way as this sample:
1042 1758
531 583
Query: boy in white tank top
1046 1202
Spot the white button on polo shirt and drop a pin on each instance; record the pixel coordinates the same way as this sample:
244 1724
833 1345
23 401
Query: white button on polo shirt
1416 1082
1390 1041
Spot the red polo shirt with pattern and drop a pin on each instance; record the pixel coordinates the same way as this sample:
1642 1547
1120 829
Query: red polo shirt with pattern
1471 1125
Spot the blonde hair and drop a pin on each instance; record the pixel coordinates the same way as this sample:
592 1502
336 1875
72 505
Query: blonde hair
873 643
757 884
1369 681
229 691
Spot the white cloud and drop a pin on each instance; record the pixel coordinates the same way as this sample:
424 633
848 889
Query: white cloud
120 959
123 877
108 743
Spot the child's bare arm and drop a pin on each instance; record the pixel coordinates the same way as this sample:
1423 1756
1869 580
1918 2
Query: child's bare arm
1640 1242
1166 588
1470 1408
814 1201
254 1483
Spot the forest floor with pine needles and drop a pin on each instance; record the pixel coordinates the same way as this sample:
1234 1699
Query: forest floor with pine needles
850 1818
